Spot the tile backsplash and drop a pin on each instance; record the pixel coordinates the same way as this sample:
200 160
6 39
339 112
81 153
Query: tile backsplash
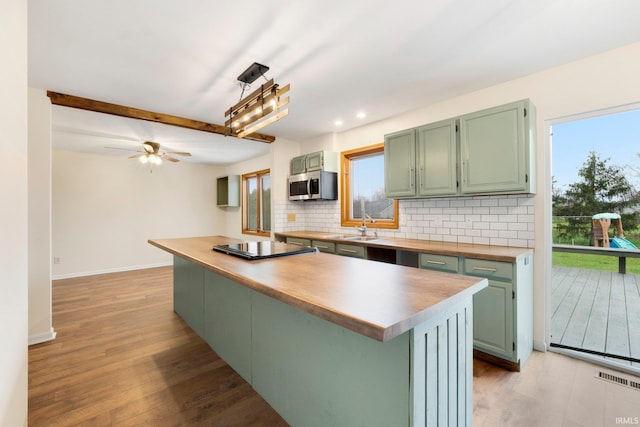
489 220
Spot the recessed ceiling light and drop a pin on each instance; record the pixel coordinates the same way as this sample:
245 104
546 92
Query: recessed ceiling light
338 123
361 115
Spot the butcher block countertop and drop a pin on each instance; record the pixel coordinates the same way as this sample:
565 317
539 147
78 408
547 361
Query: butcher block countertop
487 252
375 299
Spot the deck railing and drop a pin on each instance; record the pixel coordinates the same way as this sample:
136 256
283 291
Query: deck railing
622 254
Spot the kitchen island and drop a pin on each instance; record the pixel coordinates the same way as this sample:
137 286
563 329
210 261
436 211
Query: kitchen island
330 340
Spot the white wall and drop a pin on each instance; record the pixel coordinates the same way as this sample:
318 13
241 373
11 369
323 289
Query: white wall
13 214
105 208
595 83
40 326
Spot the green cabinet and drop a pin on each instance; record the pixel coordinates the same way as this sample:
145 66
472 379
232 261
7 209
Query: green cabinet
328 247
446 263
188 293
228 191
496 149
437 159
355 251
502 312
320 160
399 164
298 241
421 162
486 152
493 319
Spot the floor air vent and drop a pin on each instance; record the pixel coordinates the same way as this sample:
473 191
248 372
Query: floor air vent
619 380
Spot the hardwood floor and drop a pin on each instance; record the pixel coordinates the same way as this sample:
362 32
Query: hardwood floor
122 357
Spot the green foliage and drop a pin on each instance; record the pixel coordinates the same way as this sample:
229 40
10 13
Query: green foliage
603 187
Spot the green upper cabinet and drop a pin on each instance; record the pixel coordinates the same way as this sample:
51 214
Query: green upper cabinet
486 152
298 165
400 164
496 149
437 159
320 160
421 162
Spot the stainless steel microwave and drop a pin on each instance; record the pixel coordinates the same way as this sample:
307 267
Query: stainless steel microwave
317 185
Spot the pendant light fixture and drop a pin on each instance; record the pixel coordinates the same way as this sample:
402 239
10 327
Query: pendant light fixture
263 106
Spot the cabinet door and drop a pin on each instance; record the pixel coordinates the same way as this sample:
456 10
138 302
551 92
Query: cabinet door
298 241
351 250
399 164
493 150
447 263
298 165
437 159
328 247
188 293
315 161
493 319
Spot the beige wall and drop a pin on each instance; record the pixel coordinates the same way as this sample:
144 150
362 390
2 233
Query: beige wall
13 214
105 208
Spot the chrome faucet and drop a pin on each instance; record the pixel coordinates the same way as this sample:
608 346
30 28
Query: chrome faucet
363 228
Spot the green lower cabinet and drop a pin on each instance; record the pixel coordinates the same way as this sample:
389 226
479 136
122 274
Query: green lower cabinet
316 373
188 294
298 241
502 312
493 320
355 251
227 321
328 247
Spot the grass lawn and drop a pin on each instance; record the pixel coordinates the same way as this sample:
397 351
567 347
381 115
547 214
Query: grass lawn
594 262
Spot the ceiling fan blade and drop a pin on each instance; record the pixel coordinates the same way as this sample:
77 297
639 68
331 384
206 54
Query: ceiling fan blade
135 156
171 159
124 149
179 153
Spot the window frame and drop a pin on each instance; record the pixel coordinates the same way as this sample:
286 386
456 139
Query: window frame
245 203
345 189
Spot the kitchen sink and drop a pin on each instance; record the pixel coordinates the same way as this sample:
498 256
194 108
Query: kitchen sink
361 238
350 237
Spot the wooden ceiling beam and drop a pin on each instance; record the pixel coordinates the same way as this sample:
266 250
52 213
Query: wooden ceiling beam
136 113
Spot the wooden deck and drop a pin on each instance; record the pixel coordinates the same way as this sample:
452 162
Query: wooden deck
596 310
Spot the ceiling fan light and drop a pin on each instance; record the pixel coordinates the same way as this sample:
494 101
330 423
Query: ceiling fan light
143 159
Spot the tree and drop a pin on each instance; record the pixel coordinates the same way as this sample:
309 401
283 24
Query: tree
603 188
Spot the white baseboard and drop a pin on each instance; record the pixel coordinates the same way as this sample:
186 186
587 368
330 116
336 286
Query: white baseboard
539 345
39 338
109 270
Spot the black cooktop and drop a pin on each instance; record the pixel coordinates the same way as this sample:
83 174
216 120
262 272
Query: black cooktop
261 250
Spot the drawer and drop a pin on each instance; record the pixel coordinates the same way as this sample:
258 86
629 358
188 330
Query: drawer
351 250
299 242
498 270
323 246
446 263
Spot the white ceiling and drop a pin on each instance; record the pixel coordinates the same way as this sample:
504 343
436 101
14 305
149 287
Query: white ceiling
340 57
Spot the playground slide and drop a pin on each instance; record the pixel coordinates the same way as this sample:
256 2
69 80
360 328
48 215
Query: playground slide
622 243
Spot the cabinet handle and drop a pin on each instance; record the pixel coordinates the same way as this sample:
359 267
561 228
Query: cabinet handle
493 270
323 247
436 262
295 243
351 251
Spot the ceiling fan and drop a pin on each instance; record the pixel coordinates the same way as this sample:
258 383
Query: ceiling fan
152 153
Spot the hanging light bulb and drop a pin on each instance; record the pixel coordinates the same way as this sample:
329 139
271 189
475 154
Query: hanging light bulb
144 159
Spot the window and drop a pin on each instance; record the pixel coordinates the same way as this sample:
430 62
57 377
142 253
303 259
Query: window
363 184
256 203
